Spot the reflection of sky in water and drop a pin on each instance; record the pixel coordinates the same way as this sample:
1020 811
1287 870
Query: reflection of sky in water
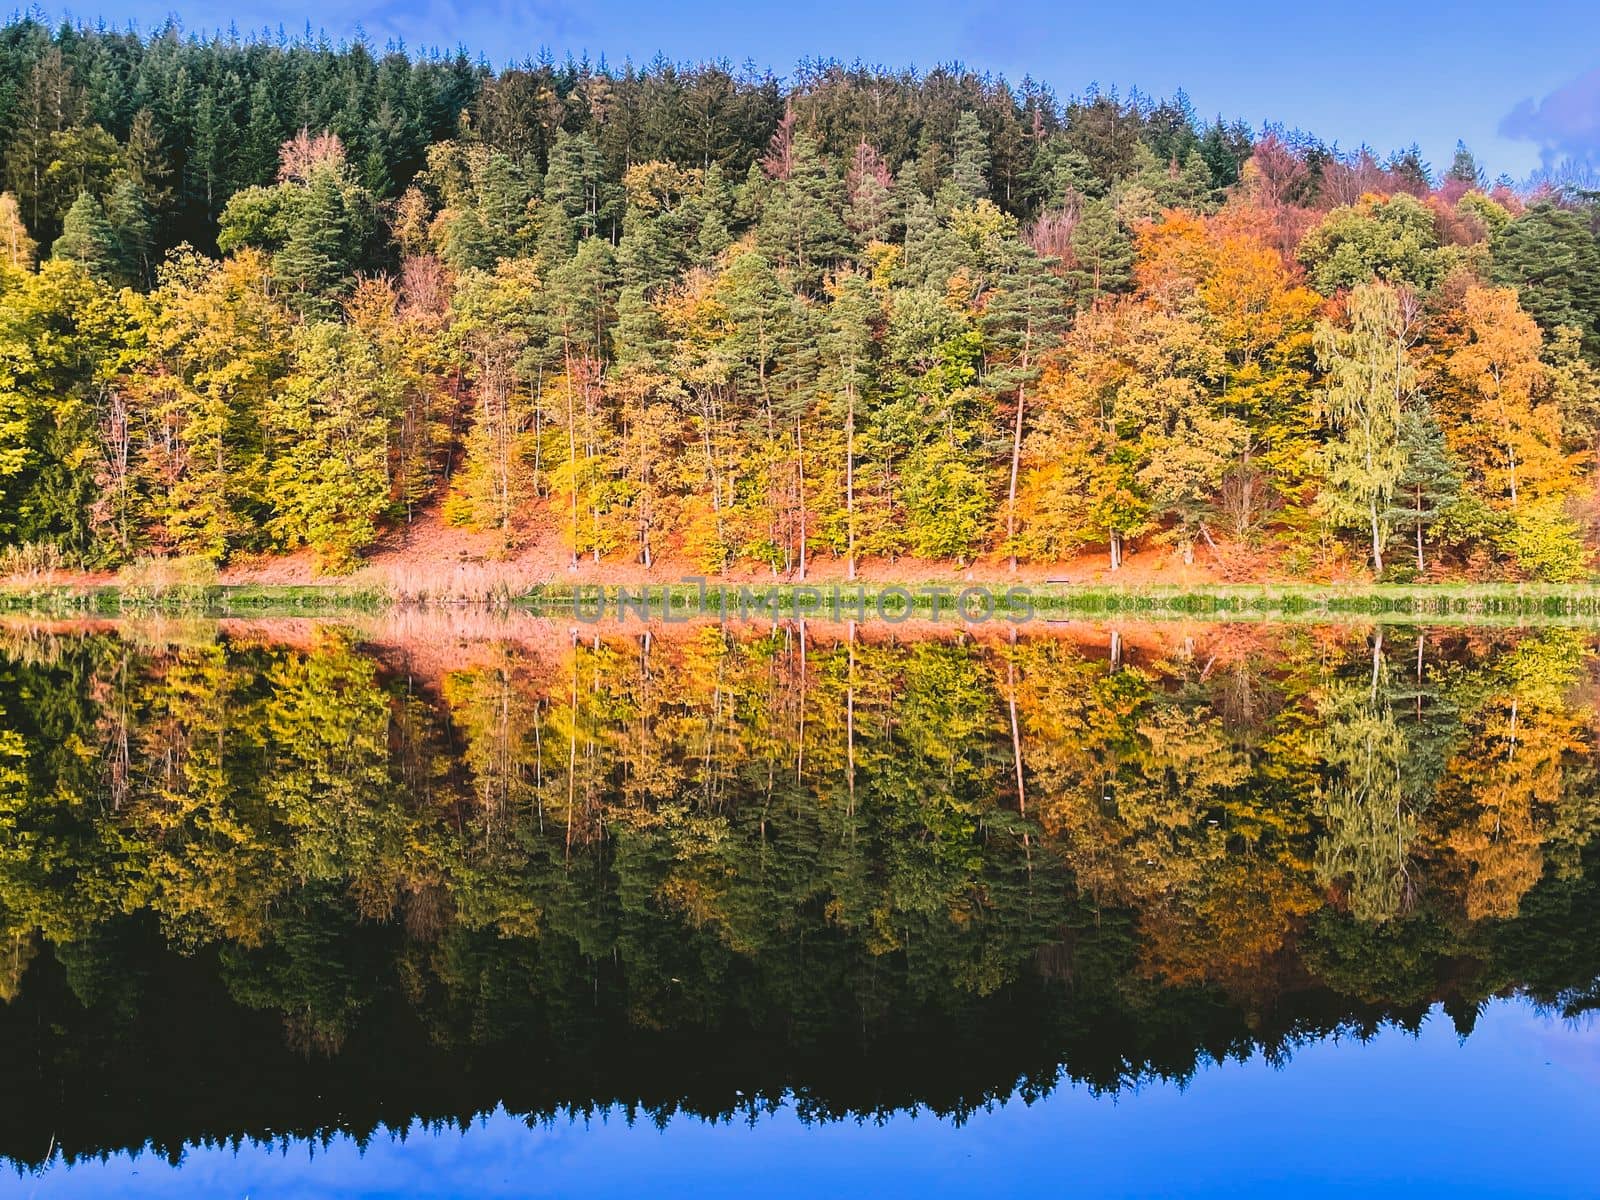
1510 1111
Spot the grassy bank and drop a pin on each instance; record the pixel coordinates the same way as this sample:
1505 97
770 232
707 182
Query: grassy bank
111 600
1448 602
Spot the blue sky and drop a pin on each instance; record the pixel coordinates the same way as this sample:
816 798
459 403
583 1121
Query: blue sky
1509 1111
1516 81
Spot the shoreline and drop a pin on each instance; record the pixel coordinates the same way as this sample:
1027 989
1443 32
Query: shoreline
956 602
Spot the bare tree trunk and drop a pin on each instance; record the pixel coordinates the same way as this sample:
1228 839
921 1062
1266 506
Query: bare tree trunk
800 745
1377 540
850 485
800 463
1011 489
1016 730
850 718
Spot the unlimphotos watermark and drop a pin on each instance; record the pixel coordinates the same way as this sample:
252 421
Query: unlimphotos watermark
695 597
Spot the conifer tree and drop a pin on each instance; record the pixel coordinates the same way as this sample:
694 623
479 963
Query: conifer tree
1023 322
801 225
87 238
146 163
1552 257
1430 481
1102 254
969 170
314 262
132 232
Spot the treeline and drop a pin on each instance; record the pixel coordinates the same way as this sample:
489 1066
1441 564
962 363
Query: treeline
290 294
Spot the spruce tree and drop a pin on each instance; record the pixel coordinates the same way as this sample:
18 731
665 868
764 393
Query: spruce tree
1551 256
1464 168
314 262
1102 254
1430 481
145 160
87 238
132 232
969 172
802 226
714 209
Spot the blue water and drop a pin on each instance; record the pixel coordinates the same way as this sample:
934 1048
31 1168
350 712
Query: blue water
1512 1110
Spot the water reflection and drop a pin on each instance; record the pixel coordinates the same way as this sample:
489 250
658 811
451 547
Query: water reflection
278 880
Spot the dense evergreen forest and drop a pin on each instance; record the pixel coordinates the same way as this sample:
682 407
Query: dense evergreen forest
258 295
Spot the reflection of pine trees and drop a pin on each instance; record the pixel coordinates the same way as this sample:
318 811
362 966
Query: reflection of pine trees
667 869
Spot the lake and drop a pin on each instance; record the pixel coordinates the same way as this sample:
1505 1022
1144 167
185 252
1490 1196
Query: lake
449 904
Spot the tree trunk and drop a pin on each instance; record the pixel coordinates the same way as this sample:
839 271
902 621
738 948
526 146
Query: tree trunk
1377 542
1011 490
850 486
800 462
850 717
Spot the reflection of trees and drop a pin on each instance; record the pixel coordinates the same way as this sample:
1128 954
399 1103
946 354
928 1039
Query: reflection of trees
1369 825
820 841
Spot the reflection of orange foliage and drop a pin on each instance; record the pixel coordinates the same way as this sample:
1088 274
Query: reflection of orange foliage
1224 931
1502 790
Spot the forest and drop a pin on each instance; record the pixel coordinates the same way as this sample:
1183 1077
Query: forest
388 870
265 294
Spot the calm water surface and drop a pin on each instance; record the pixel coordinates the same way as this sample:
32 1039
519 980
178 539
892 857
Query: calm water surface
446 906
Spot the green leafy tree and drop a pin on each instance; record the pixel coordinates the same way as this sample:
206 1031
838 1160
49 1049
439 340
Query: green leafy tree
1391 239
1368 382
331 424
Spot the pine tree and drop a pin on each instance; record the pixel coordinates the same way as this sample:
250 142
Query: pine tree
802 225
1102 254
1025 320
969 172
1430 481
132 232
314 262
502 202
87 238
571 205
1552 257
